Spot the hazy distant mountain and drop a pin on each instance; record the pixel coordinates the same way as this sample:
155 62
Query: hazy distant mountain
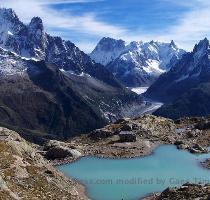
186 86
138 63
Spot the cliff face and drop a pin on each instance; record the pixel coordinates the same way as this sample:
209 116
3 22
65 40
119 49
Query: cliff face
49 86
25 174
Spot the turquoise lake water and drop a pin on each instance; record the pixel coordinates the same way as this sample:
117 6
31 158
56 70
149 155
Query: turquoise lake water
132 179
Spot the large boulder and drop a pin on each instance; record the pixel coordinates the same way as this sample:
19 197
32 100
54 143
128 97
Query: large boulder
59 150
127 136
101 134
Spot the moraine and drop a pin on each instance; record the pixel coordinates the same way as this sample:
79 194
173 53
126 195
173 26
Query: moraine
149 106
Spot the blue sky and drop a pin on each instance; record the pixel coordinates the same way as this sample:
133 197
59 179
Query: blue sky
85 22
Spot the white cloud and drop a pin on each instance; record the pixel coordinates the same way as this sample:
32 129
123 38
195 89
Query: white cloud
85 23
86 46
47 2
190 27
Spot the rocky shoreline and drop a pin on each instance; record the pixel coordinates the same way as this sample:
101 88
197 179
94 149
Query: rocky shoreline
140 137
190 134
126 138
185 192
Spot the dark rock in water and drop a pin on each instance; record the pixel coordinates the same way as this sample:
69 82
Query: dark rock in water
206 163
178 142
198 149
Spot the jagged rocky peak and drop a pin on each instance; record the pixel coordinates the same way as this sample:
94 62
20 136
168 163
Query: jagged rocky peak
190 71
135 45
9 22
137 63
36 31
109 44
202 46
201 50
31 41
203 43
172 44
107 50
36 24
8 13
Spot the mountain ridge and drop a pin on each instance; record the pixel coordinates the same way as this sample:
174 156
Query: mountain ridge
137 63
61 87
31 41
185 88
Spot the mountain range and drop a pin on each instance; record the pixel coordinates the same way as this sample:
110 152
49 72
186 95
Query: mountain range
185 89
50 86
138 63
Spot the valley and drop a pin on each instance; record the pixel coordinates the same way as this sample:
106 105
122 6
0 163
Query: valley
127 120
148 106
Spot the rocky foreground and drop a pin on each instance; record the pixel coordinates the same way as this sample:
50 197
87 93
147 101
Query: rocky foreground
185 192
25 174
138 137
27 171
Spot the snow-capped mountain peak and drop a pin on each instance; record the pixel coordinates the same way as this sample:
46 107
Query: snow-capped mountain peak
30 41
189 72
142 62
107 50
134 45
9 25
108 44
198 63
